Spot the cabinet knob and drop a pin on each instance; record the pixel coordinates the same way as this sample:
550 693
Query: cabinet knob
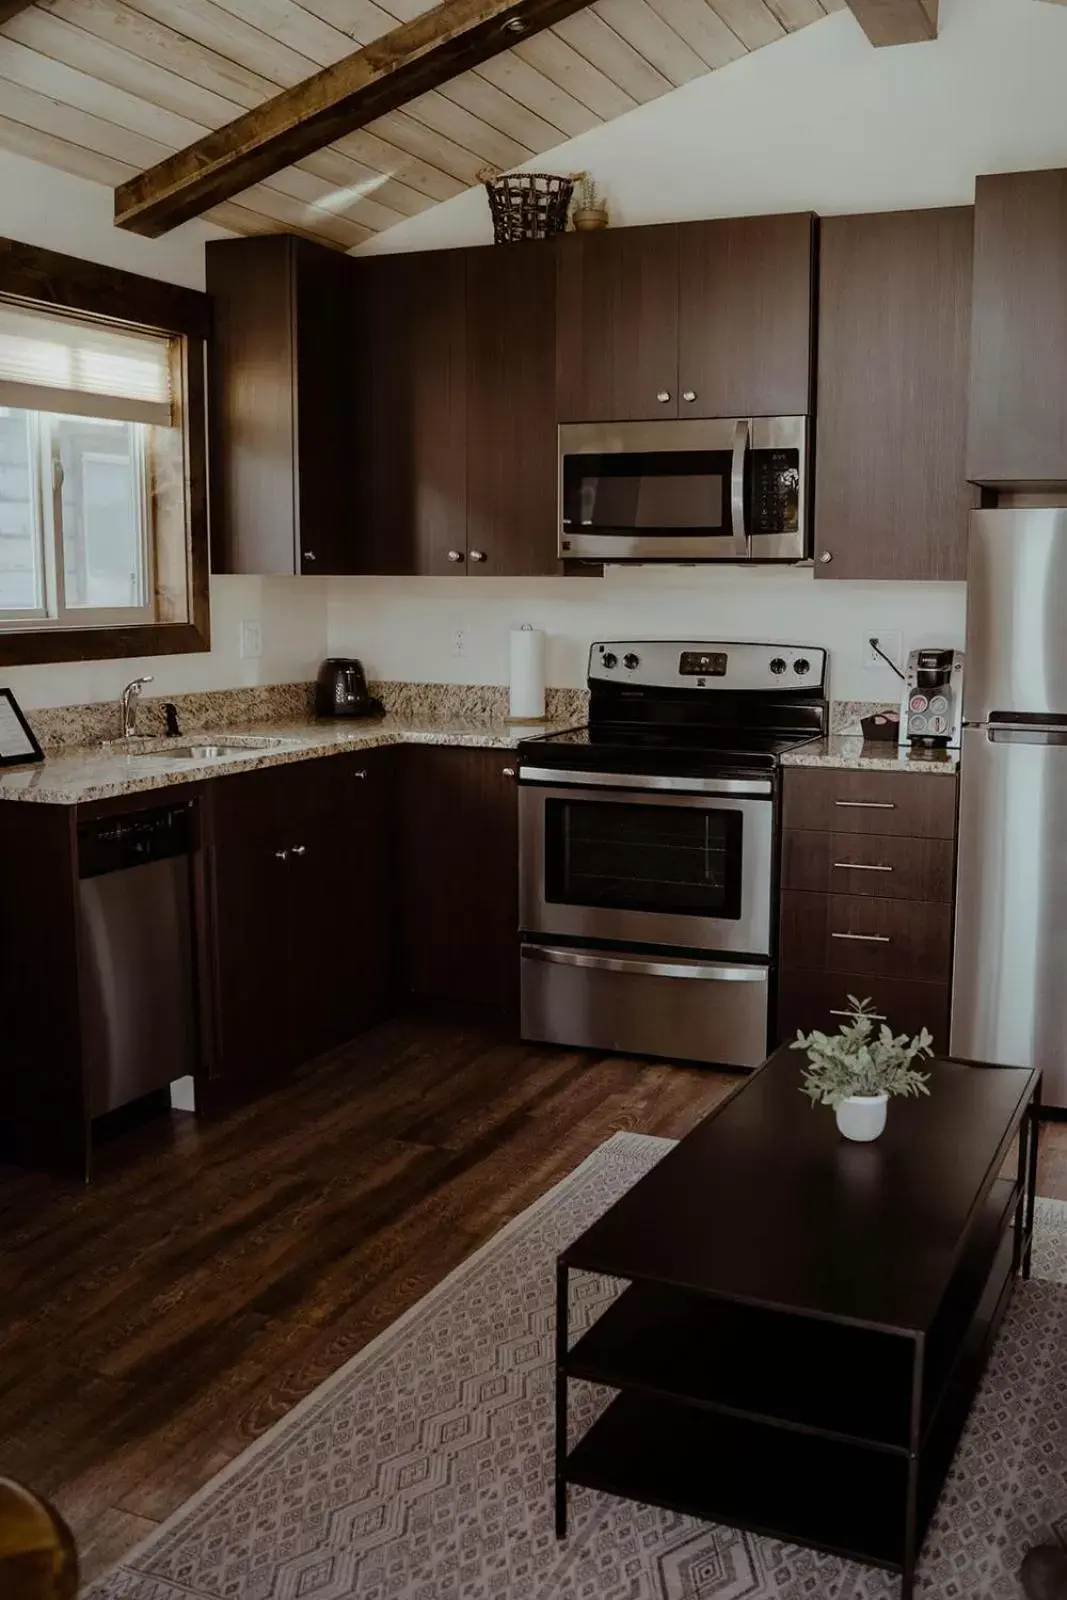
300 849
477 555
509 772
309 555
689 394
455 555
281 855
362 773
826 557
663 396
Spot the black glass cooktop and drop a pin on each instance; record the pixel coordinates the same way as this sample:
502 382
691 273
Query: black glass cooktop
694 748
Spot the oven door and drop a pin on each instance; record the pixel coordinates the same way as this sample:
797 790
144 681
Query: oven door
679 862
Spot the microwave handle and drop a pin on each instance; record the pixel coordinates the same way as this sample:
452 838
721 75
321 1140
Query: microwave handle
737 487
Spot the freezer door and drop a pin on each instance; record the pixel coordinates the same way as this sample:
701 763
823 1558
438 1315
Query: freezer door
1009 998
1016 603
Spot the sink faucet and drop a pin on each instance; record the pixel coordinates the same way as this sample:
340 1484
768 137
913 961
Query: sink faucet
130 696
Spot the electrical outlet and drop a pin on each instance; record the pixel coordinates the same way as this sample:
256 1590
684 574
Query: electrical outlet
459 642
890 641
251 640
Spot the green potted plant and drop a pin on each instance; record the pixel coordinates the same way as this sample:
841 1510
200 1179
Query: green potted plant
857 1069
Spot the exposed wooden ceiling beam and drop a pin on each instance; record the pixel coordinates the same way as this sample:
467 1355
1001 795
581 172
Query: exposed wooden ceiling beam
11 8
896 21
382 76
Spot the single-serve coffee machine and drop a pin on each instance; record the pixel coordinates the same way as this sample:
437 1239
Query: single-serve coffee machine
931 710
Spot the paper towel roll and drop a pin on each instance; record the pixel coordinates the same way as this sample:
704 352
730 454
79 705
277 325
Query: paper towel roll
526 694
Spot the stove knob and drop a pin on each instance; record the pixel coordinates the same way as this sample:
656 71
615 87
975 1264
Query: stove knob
802 666
778 666
609 660
631 662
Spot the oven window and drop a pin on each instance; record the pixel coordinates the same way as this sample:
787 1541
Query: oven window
675 859
660 492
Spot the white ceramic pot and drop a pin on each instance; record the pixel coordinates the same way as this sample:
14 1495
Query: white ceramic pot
862 1116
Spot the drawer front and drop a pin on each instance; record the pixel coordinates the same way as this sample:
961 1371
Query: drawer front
857 933
809 1000
868 864
916 805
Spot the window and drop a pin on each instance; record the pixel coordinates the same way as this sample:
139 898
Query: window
84 411
103 462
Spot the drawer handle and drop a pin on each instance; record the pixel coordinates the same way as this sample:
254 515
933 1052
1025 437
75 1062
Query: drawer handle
875 1016
866 805
859 866
864 938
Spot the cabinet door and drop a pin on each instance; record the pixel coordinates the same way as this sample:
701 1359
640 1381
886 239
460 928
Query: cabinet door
342 891
250 924
512 510
1018 409
745 316
891 493
253 464
323 296
411 413
617 325
459 867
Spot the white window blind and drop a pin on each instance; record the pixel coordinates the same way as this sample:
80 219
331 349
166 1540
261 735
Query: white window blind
50 362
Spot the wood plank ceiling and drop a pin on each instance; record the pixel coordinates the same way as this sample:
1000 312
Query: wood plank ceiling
106 88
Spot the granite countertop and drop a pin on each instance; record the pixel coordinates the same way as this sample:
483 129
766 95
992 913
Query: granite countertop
101 772
848 752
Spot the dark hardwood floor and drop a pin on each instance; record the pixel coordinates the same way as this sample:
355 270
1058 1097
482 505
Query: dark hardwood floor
154 1325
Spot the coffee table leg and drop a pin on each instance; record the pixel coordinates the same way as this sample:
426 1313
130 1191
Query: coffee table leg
1034 1122
911 1510
562 1342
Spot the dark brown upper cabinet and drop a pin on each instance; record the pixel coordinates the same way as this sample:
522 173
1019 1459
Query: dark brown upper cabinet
281 386
702 319
745 291
891 492
512 512
1018 413
455 447
617 325
410 375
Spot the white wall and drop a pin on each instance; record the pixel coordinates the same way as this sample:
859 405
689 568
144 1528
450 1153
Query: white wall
406 628
58 212
820 121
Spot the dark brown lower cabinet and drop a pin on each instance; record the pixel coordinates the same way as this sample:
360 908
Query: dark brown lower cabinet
868 862
820 1000
459 875
301 929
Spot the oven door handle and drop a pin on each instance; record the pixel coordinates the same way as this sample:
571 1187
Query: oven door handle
680 967
742 439
622 780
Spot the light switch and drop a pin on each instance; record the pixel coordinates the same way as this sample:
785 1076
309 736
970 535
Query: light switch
251 640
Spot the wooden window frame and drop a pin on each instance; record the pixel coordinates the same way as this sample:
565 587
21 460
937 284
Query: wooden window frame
47 280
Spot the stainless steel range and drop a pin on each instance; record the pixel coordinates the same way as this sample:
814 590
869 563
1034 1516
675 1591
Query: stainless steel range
649 849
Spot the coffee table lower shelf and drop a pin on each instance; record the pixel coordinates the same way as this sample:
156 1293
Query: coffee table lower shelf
777 1482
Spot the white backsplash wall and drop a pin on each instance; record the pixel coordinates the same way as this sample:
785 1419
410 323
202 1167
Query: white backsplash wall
455 630
290 614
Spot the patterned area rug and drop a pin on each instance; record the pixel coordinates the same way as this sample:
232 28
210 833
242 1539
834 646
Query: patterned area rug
422 1469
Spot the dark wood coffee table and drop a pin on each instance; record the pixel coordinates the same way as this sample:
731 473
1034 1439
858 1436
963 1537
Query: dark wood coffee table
806 1319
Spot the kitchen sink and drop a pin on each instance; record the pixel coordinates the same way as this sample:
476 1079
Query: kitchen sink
208 748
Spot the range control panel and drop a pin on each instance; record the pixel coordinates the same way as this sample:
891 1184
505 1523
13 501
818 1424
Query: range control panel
685 664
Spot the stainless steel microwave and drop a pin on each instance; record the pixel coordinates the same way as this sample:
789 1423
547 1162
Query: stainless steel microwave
731 489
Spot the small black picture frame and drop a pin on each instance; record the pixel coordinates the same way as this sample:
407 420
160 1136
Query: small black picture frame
17 740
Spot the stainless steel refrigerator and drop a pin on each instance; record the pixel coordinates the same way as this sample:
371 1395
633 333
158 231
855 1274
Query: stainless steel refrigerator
1009 998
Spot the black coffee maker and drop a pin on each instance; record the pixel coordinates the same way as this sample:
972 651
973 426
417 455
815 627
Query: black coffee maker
341 690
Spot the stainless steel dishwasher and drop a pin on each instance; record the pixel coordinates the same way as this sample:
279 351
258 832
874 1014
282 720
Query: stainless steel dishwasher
136 980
